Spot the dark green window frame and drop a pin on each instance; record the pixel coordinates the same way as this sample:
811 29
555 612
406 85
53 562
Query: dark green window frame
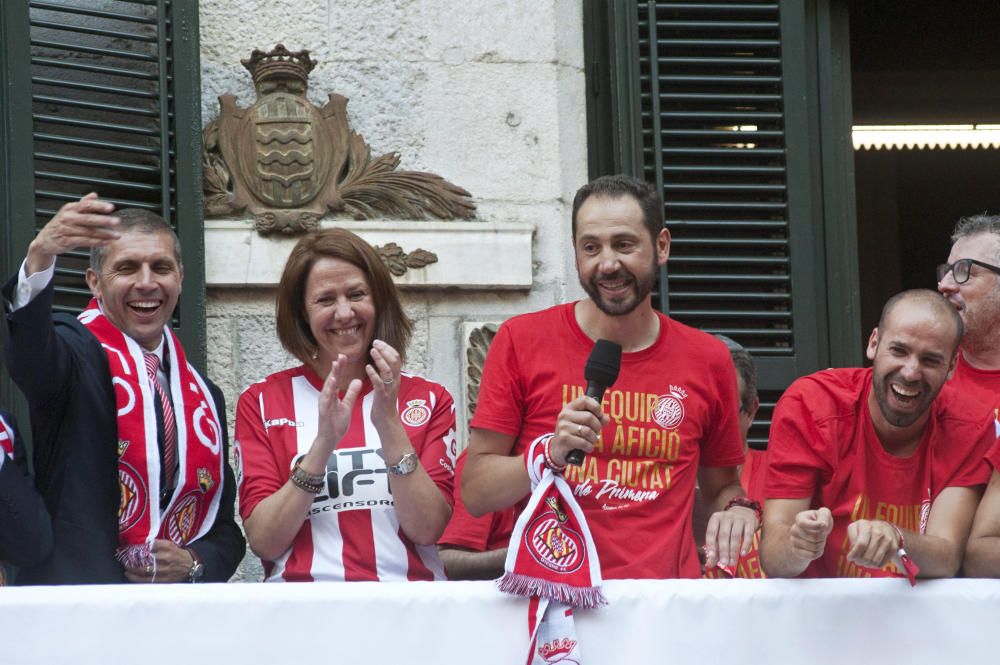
781 240
104 98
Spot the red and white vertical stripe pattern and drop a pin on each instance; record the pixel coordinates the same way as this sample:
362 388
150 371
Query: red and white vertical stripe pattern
351 533
169 423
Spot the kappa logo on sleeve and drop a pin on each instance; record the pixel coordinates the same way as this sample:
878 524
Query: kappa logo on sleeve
278 422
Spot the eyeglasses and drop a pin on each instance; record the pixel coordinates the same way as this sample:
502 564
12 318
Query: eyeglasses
961 270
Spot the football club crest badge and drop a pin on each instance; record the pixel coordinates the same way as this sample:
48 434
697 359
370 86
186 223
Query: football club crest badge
669 410
133 495
416 413
180 524
551 543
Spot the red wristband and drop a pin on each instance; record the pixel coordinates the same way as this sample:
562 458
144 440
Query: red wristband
549 462
911 568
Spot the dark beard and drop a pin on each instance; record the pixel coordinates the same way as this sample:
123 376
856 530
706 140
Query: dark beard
881 388
642 288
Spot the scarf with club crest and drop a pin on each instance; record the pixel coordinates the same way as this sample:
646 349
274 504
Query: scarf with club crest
553 561
194 503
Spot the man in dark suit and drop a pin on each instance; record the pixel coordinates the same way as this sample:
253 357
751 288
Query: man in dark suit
25 528
130 442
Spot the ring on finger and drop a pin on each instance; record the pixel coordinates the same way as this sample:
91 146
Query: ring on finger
579 430
388 381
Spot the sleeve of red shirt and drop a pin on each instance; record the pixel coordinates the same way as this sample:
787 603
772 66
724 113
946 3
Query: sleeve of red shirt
262 474
464 530
972 468
754 471
798 450
723 445
439 436
501 393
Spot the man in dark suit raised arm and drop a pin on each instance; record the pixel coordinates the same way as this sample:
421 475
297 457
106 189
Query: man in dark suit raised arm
130 441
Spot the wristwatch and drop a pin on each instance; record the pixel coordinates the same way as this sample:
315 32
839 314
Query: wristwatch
197 567
407 464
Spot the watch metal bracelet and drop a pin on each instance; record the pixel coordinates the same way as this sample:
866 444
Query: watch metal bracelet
407 464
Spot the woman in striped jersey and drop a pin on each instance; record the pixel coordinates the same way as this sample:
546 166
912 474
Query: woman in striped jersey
345 463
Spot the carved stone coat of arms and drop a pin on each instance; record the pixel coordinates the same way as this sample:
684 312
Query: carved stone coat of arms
288 162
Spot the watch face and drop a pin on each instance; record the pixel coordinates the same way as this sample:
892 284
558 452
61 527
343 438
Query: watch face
407 464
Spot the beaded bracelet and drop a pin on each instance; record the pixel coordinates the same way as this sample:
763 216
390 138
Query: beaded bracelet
744 502
305 481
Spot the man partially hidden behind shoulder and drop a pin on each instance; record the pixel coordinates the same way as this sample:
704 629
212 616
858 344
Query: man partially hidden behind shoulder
970 280
877 472
130 441
671 415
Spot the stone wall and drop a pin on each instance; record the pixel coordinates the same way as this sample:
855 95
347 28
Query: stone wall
487 94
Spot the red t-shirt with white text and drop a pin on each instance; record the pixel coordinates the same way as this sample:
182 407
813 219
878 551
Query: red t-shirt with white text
823 447
351 532
672 409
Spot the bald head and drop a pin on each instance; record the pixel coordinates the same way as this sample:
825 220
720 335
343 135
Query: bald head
931 302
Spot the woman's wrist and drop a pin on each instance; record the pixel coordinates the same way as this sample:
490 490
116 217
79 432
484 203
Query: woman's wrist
314 461
390 431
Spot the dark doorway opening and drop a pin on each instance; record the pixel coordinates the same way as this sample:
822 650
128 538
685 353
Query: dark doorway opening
933 63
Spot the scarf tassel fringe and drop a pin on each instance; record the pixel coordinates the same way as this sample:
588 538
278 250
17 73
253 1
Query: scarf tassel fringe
134 556
527 586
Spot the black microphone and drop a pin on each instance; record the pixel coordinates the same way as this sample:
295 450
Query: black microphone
600 372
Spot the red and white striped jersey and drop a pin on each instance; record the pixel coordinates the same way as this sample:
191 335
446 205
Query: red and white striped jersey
351 532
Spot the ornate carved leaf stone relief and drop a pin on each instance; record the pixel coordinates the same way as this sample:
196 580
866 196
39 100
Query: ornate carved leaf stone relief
479 343
398 261
289 163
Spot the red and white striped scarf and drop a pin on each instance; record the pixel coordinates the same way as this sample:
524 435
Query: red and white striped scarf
195 500
553 561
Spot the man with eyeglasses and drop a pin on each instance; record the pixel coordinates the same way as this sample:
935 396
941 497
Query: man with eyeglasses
971 282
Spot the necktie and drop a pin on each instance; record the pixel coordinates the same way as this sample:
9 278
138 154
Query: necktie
169 425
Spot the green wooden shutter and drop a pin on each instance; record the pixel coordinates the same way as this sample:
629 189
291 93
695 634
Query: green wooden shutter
709 101
114 108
